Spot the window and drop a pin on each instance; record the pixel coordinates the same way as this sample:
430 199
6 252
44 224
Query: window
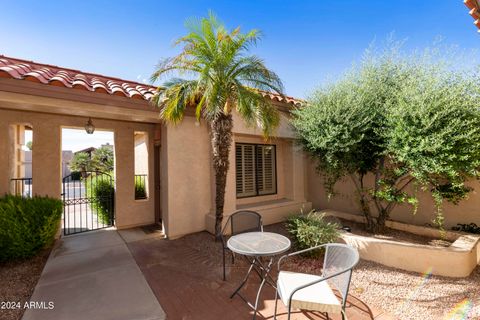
255 169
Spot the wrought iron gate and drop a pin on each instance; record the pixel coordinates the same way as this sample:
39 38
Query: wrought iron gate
88 201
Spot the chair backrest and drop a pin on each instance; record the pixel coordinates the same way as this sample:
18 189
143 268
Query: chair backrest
244 221
340 257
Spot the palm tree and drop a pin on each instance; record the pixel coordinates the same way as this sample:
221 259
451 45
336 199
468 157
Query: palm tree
221 77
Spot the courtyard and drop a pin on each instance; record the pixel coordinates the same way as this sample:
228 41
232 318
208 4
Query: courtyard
270 166
182 279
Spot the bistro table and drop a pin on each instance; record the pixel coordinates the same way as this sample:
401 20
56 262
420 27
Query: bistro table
255 246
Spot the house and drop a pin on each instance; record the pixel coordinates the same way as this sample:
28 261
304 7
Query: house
88 151
272 177
265 176
67 156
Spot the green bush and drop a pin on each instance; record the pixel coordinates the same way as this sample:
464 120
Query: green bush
396 124
311 230
102 191
140 191
27 225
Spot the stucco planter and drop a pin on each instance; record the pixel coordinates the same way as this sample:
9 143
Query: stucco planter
457 260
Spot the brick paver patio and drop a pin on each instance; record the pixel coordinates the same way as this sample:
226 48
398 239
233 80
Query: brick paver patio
188 283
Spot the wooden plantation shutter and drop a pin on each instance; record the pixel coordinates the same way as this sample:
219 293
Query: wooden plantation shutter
245 170
255 170
266 169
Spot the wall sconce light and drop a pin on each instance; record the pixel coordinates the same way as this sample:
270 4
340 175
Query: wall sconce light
89 127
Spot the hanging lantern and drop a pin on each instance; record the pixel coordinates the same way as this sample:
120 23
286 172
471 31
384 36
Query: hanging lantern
89 127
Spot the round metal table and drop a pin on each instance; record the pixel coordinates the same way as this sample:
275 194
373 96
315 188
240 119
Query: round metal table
255 246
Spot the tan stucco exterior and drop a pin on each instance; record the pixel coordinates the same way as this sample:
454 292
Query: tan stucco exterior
466 211
291 176
187 181
46 160
186 191
46 153
184 195
457 260
141 153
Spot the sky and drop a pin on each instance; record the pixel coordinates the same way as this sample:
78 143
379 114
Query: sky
77 139
306 42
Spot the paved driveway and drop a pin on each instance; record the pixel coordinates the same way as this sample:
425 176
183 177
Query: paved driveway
93 276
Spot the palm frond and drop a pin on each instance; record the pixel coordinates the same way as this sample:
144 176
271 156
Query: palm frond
226 76
176 96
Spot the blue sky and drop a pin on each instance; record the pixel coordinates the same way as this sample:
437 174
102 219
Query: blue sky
305 42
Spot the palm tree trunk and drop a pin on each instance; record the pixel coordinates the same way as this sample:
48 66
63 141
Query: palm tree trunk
221 131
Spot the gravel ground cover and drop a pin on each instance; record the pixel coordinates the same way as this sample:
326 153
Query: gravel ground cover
17 281
406 295
410 295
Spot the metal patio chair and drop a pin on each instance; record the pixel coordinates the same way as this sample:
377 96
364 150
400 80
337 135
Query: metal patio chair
314 292
239 222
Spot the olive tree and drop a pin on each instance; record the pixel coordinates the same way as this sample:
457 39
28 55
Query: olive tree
401 120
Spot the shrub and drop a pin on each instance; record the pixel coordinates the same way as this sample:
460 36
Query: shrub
27 225
140 191
311 230
409 121
102 191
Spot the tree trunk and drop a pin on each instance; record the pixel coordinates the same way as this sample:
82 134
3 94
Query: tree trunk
221 134
369 220
380 225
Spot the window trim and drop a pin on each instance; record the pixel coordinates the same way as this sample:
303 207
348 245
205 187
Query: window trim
256 175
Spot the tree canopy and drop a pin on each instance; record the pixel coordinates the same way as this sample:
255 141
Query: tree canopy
101 159
404 119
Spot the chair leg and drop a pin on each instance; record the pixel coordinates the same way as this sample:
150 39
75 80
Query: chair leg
289 311
276 301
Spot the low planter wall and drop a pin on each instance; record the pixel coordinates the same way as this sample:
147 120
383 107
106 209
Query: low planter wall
457 260
271 211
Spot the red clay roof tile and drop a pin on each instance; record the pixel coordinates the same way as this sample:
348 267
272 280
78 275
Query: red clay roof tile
70 78
474 7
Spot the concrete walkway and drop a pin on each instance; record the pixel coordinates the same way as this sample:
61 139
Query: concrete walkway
93 276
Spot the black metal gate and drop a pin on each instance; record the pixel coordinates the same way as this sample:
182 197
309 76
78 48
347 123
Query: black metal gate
88 201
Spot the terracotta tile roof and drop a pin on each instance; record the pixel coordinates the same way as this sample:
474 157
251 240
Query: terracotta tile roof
474 7
284 99
69 78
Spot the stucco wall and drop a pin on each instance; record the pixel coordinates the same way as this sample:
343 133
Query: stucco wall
46 162
467 211
291 183
185 177
141 153
188 185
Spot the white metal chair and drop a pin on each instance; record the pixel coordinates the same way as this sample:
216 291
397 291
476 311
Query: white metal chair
314 292
239 222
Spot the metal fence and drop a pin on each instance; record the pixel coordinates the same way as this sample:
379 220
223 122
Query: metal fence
140 186
22 187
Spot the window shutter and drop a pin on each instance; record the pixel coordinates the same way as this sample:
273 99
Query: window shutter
255 170
245 170
266 169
